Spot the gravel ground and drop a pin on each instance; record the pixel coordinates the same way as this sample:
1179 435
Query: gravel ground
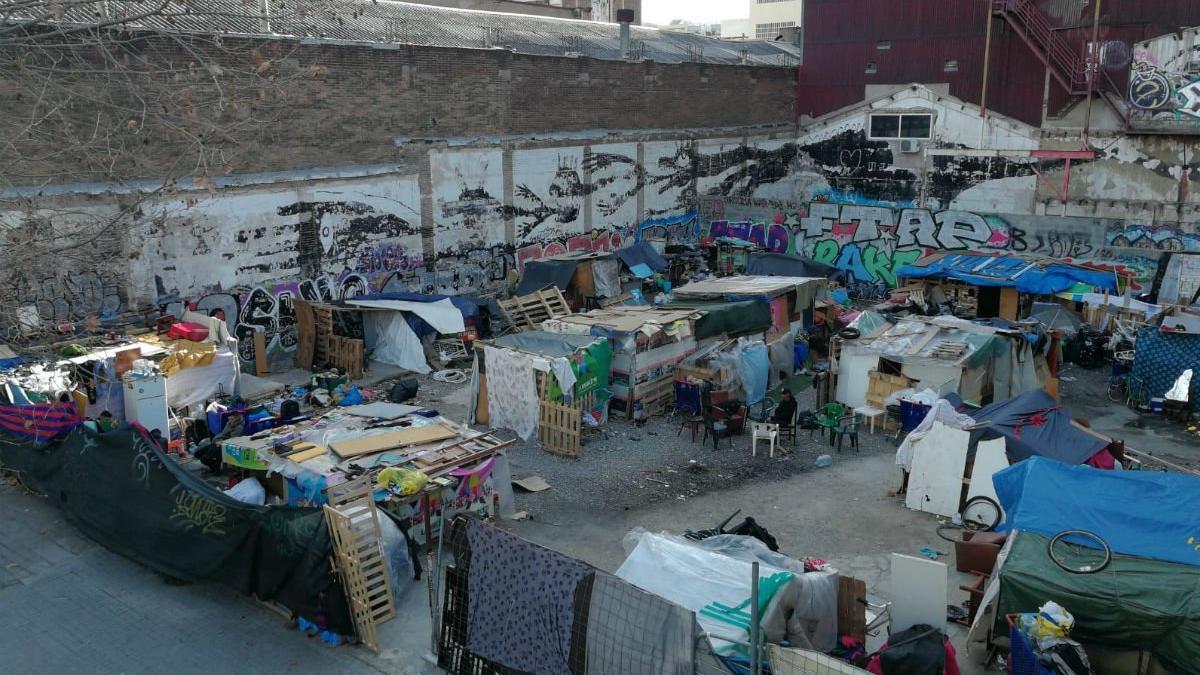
631 467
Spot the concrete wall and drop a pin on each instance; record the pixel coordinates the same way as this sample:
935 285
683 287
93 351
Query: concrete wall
457 217
870 208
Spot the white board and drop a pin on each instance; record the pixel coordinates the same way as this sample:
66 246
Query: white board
990 457
939 460
919 592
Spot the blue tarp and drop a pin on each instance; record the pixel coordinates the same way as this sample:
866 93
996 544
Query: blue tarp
1032 424
754 371
1162 357
467 305
642 253
1149 514
539 274
1042 277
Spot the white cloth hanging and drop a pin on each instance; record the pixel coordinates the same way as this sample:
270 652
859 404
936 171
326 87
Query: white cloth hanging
512 391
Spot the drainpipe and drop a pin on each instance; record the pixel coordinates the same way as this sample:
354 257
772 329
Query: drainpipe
625 17
1093 69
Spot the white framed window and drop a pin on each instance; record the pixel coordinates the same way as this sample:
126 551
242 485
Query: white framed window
898 126
770 31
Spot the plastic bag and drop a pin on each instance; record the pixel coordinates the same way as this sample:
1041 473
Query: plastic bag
1051 621
405 482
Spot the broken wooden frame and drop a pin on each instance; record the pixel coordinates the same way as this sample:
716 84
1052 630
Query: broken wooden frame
358 557
527 312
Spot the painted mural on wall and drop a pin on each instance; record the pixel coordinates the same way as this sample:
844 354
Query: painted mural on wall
870 243
616 178
468 193
1164 78
548 193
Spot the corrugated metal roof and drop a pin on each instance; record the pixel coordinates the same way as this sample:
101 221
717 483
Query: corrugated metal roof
384 21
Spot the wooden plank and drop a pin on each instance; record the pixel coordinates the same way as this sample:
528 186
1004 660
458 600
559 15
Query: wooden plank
1010 303
260 353
364 445
852 614
306 333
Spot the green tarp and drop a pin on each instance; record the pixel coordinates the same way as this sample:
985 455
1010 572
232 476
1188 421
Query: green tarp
1134 603
592 366
728 318
121 490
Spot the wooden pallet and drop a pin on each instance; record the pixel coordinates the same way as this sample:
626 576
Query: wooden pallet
322 334
527 312
358 557
306 334
560 425
462 453
346 354
655 397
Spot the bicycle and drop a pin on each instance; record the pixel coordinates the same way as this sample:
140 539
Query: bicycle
980 514
1137 394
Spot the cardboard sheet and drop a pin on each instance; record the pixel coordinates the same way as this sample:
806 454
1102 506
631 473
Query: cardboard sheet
366 445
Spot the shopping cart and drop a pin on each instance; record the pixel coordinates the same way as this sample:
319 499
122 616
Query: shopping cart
1021 659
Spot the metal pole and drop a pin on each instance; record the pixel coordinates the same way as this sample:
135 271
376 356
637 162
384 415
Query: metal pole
1093 66
755 655
987 55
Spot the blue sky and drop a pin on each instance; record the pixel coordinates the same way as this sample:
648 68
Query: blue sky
708 11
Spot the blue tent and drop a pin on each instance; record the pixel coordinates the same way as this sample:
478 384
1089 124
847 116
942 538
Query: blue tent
1149 514
1033 424
1039 276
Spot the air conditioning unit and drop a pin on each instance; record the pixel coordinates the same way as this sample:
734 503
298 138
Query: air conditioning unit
911 147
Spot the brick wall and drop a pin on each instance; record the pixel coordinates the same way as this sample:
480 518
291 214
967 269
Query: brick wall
284 105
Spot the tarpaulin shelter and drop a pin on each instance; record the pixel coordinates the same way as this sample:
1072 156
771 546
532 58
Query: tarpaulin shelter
123 491
784 265
790 299
1160 358
579 275
1148 597
945 354
1028 274
732 319
545 383
646 342
387 331
1056 317
1033 424
642 253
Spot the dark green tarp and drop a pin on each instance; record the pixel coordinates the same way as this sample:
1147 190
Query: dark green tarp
728 318
121 490
1134 603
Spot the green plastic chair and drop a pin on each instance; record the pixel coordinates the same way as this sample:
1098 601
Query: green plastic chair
829 417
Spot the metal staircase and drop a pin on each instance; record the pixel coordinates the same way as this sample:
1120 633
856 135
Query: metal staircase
1066 63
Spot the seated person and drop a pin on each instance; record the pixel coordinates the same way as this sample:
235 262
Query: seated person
209 450
785 412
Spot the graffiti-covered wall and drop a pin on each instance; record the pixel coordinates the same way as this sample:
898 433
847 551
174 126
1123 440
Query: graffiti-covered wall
869 205
446 218
1164 82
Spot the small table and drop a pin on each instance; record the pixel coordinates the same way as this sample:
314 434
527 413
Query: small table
869 413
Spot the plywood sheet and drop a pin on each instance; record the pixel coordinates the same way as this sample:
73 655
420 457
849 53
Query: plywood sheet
939 460
990 457
919 592
365 445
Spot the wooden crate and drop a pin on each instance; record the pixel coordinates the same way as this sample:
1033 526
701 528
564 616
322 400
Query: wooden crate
881 386
346 354
527 312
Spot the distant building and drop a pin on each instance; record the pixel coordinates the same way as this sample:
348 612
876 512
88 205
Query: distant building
592 10
768 18
732 29
694 28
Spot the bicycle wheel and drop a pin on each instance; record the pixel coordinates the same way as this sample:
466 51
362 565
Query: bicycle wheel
1116 389
981 514
1076 557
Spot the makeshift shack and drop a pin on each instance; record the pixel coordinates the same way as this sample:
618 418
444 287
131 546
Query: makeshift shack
943 353
1142 600
1163 353
948 451
784 265
999 281
647 343
791 299
583 276
550 384
390 328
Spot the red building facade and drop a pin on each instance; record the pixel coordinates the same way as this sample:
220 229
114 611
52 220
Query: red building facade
849 44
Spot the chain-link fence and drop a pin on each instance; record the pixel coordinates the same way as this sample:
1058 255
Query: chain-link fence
402 23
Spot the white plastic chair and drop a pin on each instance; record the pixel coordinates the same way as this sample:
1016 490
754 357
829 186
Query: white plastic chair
763 430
